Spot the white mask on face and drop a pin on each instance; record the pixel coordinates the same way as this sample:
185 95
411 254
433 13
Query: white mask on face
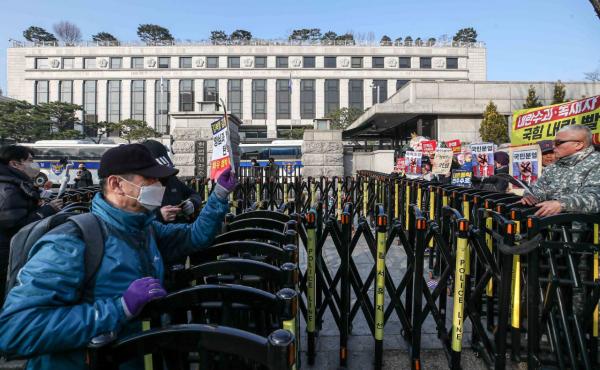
150 196
31 169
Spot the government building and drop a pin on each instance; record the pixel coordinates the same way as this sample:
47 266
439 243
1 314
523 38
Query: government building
272 86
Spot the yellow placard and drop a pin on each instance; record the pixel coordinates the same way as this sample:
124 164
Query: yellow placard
532 125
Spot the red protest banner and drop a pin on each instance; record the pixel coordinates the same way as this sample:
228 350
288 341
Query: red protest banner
429 146
454 145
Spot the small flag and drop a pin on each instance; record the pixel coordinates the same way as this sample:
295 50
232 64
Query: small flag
432 284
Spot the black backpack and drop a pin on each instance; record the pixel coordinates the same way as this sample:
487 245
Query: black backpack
91 229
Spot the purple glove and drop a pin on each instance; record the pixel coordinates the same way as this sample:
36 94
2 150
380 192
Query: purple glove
226 183
140 292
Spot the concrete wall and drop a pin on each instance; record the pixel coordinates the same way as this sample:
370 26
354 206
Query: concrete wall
459 127
322 153
378 160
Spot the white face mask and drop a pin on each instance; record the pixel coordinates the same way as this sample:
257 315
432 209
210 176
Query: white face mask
31 169
150 196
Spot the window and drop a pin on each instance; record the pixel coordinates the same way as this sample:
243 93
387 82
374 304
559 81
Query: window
283 98
68 63
332 96
162 100
212 62
211 90
379 91
137 62
66 92
330 62
259 99
377 62
308 62
233 62
138 93
400 84
355 94
185 62
357 62
41 92
41 63
116 63
234 96
252 134
452 63
260 62
164 62
89 106
307 99
89 63
404 62
114 101
186 95
425 62
282 62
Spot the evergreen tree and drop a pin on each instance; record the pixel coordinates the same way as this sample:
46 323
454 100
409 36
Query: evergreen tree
343 117
218 36
532 100
465 35
385 40
153 33
38 34
105 38
134 130
559 93
494 127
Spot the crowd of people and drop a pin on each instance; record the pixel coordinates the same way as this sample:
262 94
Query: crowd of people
144 210
147 217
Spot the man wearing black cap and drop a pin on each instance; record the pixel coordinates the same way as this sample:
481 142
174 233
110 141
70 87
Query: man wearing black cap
548 156
51 314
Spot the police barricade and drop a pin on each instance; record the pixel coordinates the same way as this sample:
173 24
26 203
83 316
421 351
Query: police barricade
276 351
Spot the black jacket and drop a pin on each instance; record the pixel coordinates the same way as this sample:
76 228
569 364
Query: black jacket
85 179
496 183
175 193
19 204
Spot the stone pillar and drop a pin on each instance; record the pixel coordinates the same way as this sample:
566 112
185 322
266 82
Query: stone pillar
150 104
246 99
125 99
271 108
344 96
223 89
189 148
322 153
101 99
53 93
78 96
295 99
174 103
368 93
319 98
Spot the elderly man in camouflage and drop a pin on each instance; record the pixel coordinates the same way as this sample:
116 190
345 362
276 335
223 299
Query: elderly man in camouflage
572 183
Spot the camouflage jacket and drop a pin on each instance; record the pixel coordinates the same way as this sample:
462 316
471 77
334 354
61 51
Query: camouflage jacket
574 181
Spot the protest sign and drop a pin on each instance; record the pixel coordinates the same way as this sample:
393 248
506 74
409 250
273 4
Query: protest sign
461 178
526 163
225 152
455 145
532 125
442 161
428 146
483 159
399 166
413 164
464 158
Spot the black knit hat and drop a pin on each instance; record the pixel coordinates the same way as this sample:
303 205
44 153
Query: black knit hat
134 159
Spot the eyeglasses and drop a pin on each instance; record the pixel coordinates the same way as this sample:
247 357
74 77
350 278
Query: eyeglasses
561 142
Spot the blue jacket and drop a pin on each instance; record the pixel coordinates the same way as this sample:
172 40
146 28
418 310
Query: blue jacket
44 315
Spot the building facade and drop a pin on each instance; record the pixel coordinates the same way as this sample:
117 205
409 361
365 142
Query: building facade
271 86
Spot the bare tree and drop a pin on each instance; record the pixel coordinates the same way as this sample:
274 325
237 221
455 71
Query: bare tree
67 32
371 37
593 76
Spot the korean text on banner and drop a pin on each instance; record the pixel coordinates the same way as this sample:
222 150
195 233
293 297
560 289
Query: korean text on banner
461 178
532 125
526 163
442 161
413 164
221 158
429 146
454 145
483 159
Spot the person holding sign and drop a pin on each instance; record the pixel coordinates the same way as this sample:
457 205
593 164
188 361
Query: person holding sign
572 184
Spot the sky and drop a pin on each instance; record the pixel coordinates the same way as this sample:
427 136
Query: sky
527 40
